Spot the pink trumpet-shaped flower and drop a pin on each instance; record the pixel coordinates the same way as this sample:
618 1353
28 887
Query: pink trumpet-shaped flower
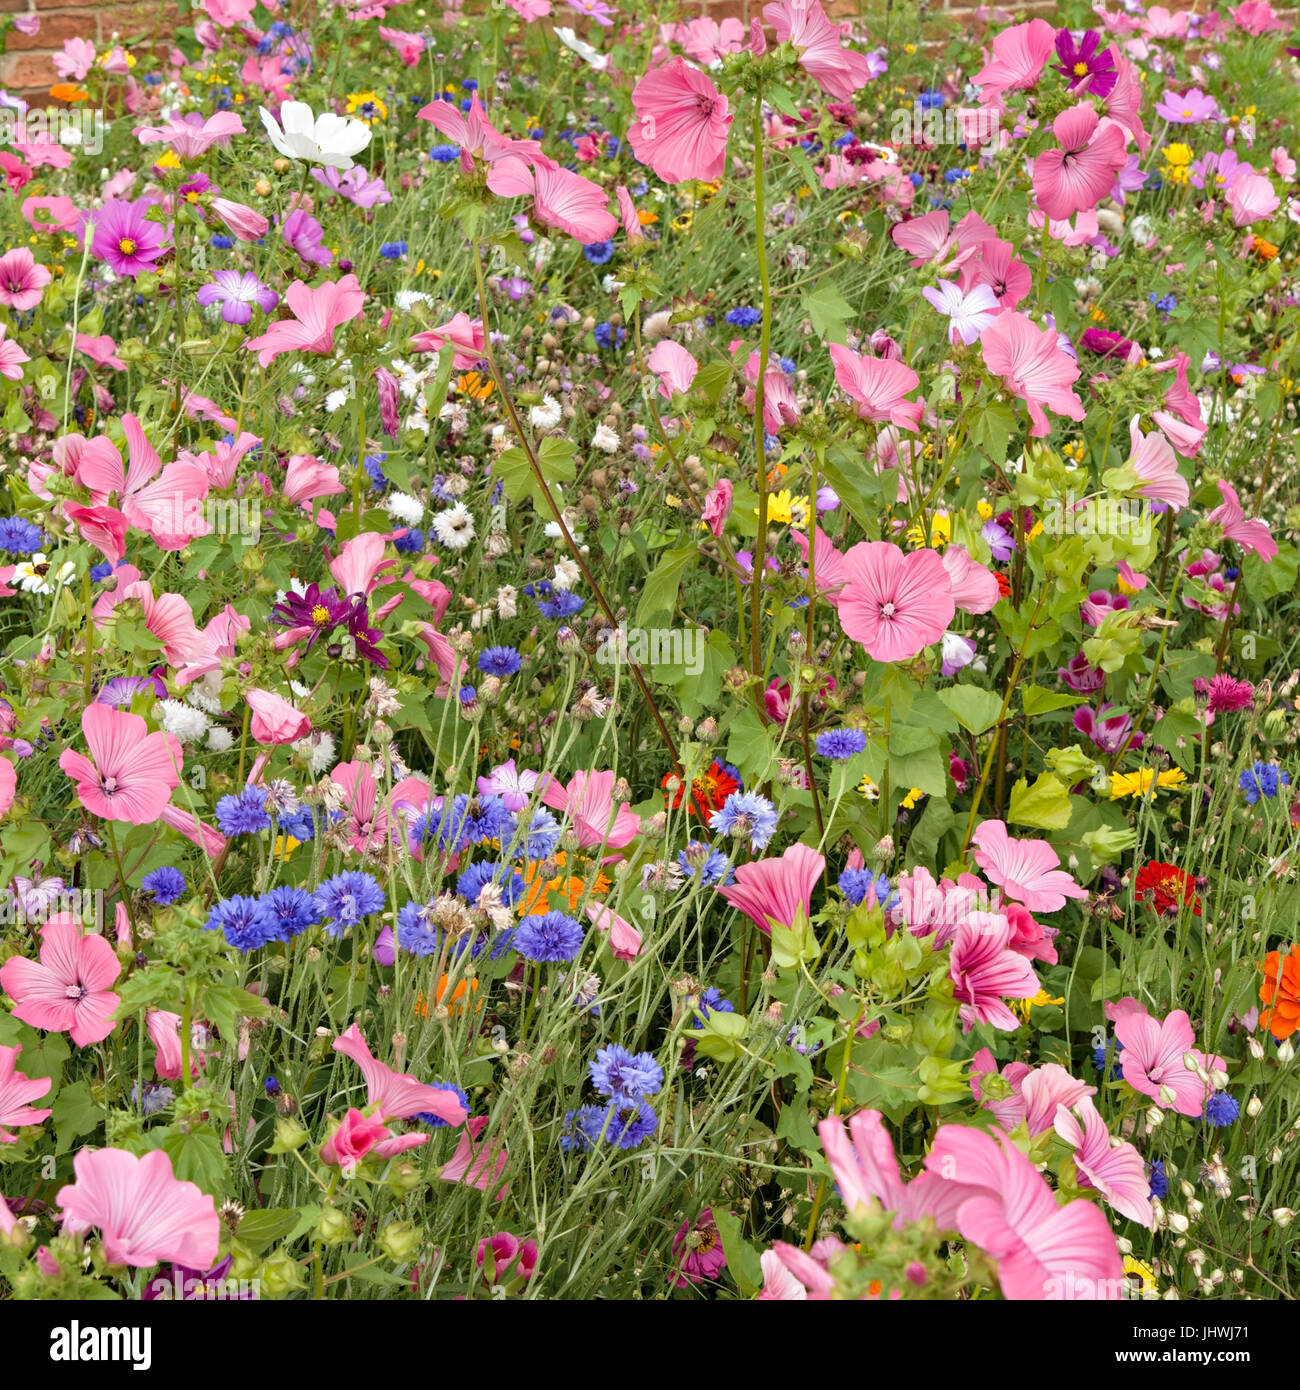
473 1163
307 479
275 720
317 314
974 586
16 1092
778 889
673 365
561 198
837 70
878 385
1252 198
465 333
133 772
359 563
67 989
624 939
894 603
588 801
985 971
164 1028
1031 364
1117 1171
1019 56
1036 1092
188 141
1078 176
397 1095
1251 534
474 133
144 1213
682 123
1028 871
1153 463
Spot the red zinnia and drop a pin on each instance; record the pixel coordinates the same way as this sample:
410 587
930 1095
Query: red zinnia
1167 888
708 791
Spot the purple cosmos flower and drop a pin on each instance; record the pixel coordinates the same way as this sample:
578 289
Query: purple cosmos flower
1193 107
1086 69
593 9
311 614
123 238
356 186
1129 179
1219 170
237 291
303 234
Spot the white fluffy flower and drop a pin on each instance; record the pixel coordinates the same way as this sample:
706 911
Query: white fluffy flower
336 400
454 527
547 415
605 439
324 139
567 574
205 693
220 740
319 747
187 723
401 506
507 601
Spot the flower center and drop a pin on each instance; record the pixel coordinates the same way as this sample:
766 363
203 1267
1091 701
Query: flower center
887 609
1081 69
108 785
76 991
126 246
320 615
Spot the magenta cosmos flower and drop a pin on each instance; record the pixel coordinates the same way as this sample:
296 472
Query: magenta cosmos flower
697 1251
894 604
67 990
124 239
22 281
237 291
682 122
133 772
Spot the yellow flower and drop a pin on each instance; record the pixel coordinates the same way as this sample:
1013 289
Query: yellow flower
284 846
1039 1000
168 161
912 797
1141 782
869 789
1178 153
367 107
940 532
785 509
985 509
682 222
1140 1276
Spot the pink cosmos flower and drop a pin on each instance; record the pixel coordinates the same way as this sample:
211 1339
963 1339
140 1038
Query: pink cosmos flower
697 1249
777 889
1026 870
317 313
674 366
16 1092
1252 198
395 1094
837 70
682 122
1193 107
1258 17
123 237
462 331
984 971
1252 534
1153 463
1116 1170
624 939
1036 1092
878 385
67 990
188 141
588 801
706 40
133 773
1154 1065
144 1213
1080 174
275 720
894 603
22 281
561 198
1032 366
225 14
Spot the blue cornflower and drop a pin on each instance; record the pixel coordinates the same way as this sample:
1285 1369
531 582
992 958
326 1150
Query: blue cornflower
552 937
746 814
472 882
841 744
411 543
444 154
220 242
435 1121
710 864
955 175
1262 779
624 1075
859 885
98 572
371 463
18 536
415 930
744 317
582 1128
788 365
599 252
916 180
607 336
552 602
294 910
1221 1110
539 839
1156 1176
711 1001
928 100
1116 1072
346 898
300 826
499 661
166 885
467 695
393 250
271 1086
245 814
156 1098
630 1124
246 922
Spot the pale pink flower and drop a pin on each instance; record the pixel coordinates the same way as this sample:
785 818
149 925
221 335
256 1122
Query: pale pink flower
1019 56
682 122
366 817
102 351
624 939
188 141
1252 198
1036 1092
1154 1065
75 59
878 385
974 586
474 133
561 198
1283 165
243 221
144 1213
673 365
225 14
67 989
1026 870
829 571
894 603
17 1091
1116 1169
12 357
1076 177
133 773
22 281
8 785
475 1164
359 563
969 313
1153 463
396 1094
164 1028
275 720
1251 534
706 40
588 801
1032 366
317 314
837 70
464 333
777 889
778 1282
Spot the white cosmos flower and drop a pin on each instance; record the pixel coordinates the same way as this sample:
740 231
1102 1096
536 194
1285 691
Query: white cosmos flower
324 139
34 576
589 55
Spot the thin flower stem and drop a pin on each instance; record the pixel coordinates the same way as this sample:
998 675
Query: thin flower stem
764 349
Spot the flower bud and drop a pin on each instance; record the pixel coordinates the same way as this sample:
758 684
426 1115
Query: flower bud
399 1241
333 1227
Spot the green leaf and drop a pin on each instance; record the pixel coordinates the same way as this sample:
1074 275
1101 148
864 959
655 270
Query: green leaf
743 1260
711 381
554 456
828 310
1045 805
197 1157
660 592
74 1114
1266 581
260 1229
976 709
1035 700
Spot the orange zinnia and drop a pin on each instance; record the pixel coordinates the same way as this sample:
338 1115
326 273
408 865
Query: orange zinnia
422 1008
1281 992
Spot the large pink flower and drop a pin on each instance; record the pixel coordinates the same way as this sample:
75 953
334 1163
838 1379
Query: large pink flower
837 70
1249 533
1019 56
895 604
316 314
1153 1059
144 1213
878 385
133 773
1026 870
776 889
397 1095
589 803
67 990
1153 463
1036 1092
682 121
464 333
1078 176
16 1092
274 719
674 366
561 198
1117 1171
1031 364
985 971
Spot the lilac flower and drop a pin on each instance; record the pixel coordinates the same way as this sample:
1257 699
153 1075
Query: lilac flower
969 313
593 9
1129 179
355 185
513 786
303 234
1219 169
1193 107
237 291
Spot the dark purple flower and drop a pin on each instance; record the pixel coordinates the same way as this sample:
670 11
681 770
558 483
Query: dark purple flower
1082 678
1085 68
311 614
123 237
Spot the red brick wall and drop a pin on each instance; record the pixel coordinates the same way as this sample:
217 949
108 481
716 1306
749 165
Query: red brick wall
25 66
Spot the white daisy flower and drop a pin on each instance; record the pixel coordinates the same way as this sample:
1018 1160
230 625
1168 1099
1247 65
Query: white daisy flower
454 527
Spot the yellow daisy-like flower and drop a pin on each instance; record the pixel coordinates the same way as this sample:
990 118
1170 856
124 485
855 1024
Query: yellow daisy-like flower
1040 1000
912 797
284 846
940 532
869 789
170 161
783 508
1141 782
682 222
367 107
985 509
1178 153
1140 1276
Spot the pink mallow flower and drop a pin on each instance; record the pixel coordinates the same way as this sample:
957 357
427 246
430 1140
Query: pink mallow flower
878 386
1116 1169
1076 177
67 990
394 1094
1250 533
505 1250
133 772
894 603
837 70
275 720
682 123
985 971
22 280
1032 366
355 1136
674 366
776 890
17 1091
1155 1058
317 314
588 800
1026 870
624 939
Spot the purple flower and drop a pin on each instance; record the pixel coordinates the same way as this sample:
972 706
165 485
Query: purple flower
123 238
1081 677
312 614
356 186
304 234
1193 107
999 539
1110 733
1086 69
593 9
237 291
1098 604
1129 179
